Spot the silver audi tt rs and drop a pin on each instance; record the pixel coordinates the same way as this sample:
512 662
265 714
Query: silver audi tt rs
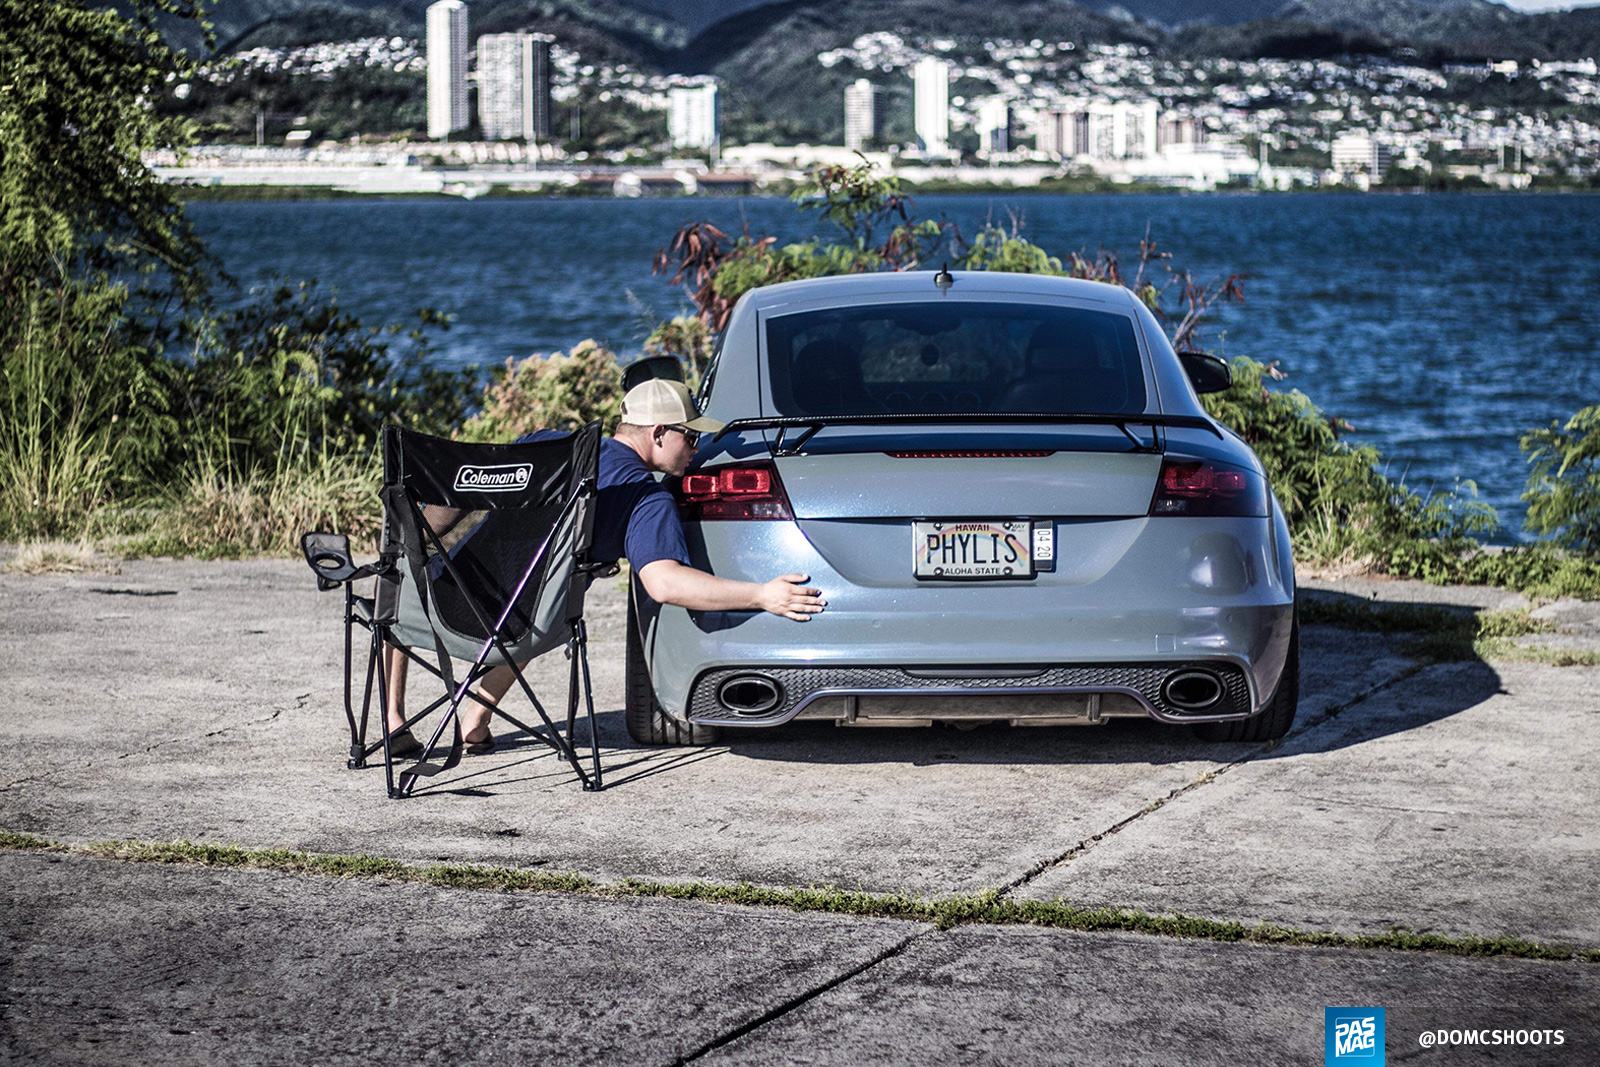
1012 500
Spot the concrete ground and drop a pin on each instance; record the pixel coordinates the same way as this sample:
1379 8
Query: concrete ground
200 701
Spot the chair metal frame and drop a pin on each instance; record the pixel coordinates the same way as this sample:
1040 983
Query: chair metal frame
329 557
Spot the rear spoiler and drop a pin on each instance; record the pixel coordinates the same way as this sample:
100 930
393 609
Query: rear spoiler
813 424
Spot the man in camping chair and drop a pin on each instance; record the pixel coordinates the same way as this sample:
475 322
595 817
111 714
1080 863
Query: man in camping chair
637 518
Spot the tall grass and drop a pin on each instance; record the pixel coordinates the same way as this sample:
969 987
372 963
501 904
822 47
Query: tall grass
78 407
269 466
217 509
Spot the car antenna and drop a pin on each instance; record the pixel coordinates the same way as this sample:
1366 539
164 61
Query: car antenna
944 279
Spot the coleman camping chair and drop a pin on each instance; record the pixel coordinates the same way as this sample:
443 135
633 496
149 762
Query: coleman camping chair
484 558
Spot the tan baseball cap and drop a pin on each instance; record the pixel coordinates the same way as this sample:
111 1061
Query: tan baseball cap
662 402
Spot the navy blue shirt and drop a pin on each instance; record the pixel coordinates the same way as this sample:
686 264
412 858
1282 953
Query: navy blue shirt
635 517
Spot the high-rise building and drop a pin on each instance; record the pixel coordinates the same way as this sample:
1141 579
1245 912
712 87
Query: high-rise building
1355 152
514 86
1100 130
694 116
447 68
1053 136
1137 136
931 112
1179 129
863 114
994 125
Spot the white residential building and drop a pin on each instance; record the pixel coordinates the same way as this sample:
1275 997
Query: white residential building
1098 130
514 86
1056 134
931 109
694 117
447 68
1178 129
994 125
863 114
1356 153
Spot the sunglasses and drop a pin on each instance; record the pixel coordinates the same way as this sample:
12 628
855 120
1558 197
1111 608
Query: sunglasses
691 436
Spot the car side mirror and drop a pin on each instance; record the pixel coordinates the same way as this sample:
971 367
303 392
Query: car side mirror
642 370
1210 374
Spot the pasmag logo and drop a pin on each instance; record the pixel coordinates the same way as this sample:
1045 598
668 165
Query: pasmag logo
1353 1036
506 478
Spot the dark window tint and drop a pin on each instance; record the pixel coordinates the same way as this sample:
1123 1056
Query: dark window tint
944 358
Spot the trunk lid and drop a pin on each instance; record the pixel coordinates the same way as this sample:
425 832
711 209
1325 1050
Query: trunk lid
1078 472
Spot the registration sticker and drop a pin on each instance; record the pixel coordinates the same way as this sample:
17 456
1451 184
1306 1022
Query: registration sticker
1000 548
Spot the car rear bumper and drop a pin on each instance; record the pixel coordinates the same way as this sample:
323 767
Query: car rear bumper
890 696
1214 594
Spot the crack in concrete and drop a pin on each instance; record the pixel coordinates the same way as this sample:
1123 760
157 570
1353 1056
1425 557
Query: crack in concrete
1328 714
801 1000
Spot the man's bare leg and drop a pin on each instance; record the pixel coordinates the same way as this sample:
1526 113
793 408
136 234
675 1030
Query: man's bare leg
474 716
394 667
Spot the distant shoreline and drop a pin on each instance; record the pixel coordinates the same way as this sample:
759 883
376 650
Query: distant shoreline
298 193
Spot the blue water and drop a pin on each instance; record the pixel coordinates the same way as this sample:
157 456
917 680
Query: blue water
1442 327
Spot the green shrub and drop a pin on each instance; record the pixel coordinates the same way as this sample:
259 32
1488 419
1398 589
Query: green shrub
1563 492
292 375
855 200
559 391
687 339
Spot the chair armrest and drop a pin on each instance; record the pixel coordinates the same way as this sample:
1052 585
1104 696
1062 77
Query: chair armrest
328 555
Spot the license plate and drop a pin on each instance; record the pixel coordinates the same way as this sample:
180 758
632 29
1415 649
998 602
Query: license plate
1002 548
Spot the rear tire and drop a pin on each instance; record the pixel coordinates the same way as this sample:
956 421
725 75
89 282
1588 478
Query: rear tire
647 723
1274 722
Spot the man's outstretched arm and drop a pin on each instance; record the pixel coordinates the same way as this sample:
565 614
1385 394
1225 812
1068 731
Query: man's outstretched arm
670 582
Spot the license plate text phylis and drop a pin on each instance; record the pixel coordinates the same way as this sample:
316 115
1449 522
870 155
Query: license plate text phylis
977 549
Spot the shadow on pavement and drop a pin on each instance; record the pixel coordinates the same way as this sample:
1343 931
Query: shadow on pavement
1459 684
1344 674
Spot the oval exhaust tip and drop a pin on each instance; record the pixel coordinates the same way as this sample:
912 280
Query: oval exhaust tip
750 694
1192 690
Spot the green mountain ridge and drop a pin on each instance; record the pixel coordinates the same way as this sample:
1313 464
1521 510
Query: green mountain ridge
766 55
665 35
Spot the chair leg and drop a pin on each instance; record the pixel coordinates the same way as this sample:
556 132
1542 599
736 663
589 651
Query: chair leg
358 732
572 685
588 695
383 702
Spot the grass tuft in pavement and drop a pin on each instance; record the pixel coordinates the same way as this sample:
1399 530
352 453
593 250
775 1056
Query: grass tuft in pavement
11 841
58 557
986 908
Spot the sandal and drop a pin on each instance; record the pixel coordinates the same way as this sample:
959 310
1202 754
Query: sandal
483 747
402 744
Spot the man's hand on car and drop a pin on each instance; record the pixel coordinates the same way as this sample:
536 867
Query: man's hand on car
785 596
669 582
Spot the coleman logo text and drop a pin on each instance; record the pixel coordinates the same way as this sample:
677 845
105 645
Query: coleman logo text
507 478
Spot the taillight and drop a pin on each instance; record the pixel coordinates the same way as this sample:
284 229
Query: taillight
1198 487
744 491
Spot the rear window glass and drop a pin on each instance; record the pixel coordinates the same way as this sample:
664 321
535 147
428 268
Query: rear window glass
944 358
